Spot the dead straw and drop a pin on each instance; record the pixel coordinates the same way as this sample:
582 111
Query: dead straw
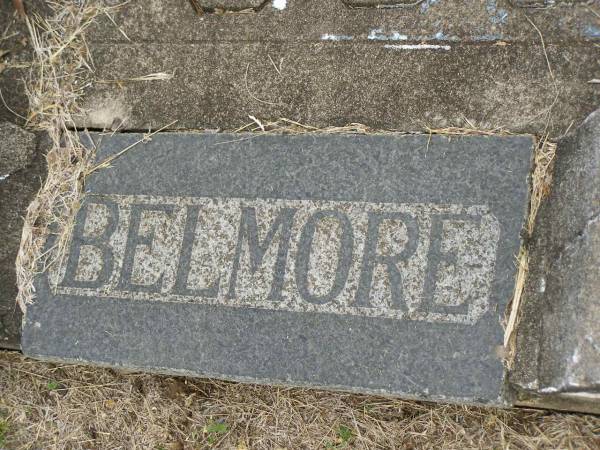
59 71
66 406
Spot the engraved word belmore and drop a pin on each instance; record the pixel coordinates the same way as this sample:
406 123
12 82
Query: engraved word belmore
412 262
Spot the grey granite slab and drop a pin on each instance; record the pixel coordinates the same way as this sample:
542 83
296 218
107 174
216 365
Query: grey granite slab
375 263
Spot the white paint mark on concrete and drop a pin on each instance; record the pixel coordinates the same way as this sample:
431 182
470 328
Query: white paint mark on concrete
279 4
336 37
416 47
549 390
379 35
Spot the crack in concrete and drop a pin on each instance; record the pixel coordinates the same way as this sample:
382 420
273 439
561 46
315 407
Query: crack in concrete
218 10
382 4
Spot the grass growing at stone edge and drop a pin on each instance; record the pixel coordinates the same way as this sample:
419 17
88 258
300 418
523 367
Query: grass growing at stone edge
541 183
102 408
59 72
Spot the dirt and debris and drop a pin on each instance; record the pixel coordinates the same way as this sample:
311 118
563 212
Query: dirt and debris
45 405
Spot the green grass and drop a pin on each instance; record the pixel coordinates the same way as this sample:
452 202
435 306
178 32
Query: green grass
343 437
215 430
3 432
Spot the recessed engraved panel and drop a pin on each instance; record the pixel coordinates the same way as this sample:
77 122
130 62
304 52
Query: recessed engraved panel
408 262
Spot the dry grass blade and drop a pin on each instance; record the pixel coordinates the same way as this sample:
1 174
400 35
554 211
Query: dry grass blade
541 179
266 102
288 126
158 76
197 7
512 321
147 137
543 47
9 108
464 131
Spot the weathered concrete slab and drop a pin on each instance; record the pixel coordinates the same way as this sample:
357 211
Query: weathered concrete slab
558 351
435 64
14 64
468 21
372 263
384 87
17 147
22 168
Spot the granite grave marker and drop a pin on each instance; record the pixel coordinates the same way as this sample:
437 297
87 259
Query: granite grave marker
378 263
